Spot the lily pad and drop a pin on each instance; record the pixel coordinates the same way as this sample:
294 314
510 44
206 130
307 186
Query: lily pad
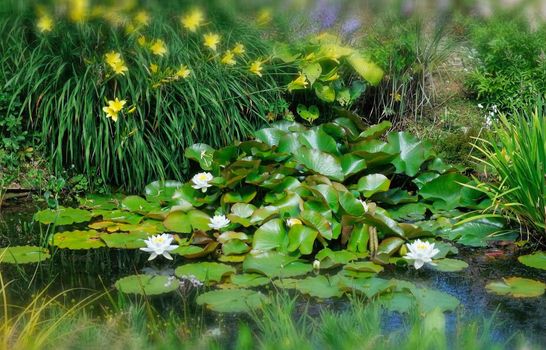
161 191
63 216
77 240
124 240
517 287
536 260
274 264
232 300
449 265
205 271
247 280
319 286
23 254
138 204
364 266
146 284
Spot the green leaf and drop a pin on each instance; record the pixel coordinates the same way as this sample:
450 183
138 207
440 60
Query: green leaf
329 258
124 240
274 264
412 153
444 191
312 71
178 221
62 216
161 191
390 245
243 210
201 153
320 163
358 241
517 287
363 266
301 237
373 183
477 233
138 204
325 92
198 220
146 284
449 265
536 260
310 114
205 271
320 286
368 70
232 300
269 136
352 164
375 131
23 254
249 280
77 240
271 235
408 212
318 139
318 222
429 299
235 247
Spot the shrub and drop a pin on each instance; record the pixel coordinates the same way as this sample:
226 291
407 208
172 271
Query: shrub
510 63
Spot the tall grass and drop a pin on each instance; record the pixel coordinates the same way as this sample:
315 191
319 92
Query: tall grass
63 83
515 156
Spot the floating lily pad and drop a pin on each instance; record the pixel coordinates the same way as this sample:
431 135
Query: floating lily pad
247 280
320 286
205 271
449 265
429 299
273 264
138 204
23 255
232 300
99 202
124 240
364 266
329 258
77 240
147 284
517 287
62 216
536 260
162 191
119 216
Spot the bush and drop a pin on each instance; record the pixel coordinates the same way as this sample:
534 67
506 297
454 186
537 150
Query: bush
511 66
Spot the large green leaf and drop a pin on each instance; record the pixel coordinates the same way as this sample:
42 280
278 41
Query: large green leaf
301 237
274 264
320 286
536 260
319 140
124 240
205 271
178 221
161 191
444 191
517 287
412 153
77 240
201 153
368 70
449 265
232 300
320 163
62 216
138 204
248 280
478 232
271 235
317 221
269 136
23 254
373 183
147 284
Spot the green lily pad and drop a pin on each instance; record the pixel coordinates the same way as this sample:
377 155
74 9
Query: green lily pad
301 237
536 260
124 240
247 280
413 152
119 216
320 286
63 216
329 258
363 266
274 264
517 287
23 254
270 235
77 240
429 299
232 300
161 191
138 204
373 183
205 271
98 202
449 265
146 284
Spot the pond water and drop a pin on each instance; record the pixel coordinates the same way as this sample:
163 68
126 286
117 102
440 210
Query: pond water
98 270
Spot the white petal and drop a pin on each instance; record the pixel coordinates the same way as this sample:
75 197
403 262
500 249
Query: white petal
418 264
167 255
152 257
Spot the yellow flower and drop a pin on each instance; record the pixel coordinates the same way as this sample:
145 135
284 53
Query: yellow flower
113 108
158 48
193 20
116 63
211 40
256 67
141 40
142 18
299 83
154 68
264 17
183 72
239 49
45 24
78 10
228 58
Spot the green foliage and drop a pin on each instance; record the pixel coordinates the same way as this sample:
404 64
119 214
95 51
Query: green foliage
515 155
510 64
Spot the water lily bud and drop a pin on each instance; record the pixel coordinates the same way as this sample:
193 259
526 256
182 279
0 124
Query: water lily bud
316 265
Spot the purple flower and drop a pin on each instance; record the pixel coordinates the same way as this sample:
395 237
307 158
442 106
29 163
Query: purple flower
350 26
325 13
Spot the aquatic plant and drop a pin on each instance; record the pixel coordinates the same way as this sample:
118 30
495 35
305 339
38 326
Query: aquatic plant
421 253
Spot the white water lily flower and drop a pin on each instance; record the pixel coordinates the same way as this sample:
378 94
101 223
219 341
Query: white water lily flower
201 181
218 222
159 245
293 221
421 253
316 265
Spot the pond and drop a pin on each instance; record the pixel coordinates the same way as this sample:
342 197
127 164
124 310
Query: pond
97 270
